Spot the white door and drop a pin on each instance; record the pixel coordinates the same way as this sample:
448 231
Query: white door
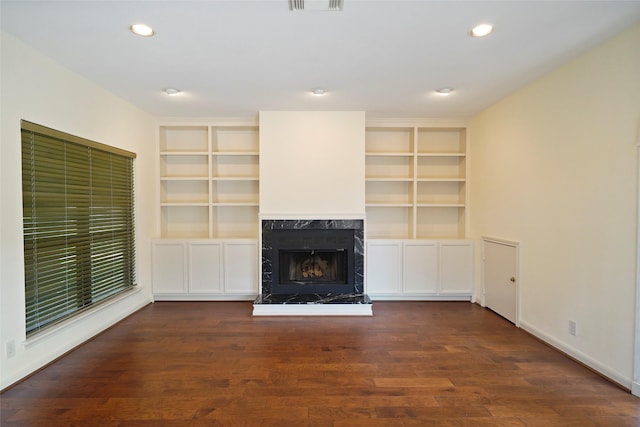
420 269
168 267
456 268
384 268
205 267
500 278
241 267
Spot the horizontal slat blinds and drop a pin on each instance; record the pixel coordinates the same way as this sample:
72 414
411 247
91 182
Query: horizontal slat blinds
78 224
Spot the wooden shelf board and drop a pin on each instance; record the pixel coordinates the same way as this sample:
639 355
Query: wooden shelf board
436 154
391 238
184 178
184 204
184 153
383 179
388 154
235 178
440 205
238 204
441 179
235 153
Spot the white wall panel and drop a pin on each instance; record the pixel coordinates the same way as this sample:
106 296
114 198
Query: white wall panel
312 162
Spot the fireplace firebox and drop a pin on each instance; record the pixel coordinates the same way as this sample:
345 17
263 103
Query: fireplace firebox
308 267
312 261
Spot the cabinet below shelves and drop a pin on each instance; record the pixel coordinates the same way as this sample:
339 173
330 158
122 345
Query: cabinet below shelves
227 269
419 269
204 269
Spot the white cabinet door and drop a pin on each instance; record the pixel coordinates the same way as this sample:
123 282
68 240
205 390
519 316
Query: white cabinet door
384 268
241 267
169 260
205 267
456 267
500 283
420 268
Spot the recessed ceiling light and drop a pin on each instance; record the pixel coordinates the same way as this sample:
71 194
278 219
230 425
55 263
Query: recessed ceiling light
172 91
482 30
142 30
318 92
444 91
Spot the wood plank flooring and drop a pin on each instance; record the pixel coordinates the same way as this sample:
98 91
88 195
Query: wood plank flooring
411 364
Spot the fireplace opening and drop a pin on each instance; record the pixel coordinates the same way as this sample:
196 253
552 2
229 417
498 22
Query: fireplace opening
312 262
310 267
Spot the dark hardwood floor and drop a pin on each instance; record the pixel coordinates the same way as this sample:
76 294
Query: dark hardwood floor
411 364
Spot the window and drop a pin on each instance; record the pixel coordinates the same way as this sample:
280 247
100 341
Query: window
78 224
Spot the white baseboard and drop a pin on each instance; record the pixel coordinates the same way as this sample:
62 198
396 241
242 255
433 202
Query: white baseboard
381 297
581 357
205 297
635 388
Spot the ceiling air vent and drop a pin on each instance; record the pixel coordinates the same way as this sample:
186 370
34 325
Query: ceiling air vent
321 5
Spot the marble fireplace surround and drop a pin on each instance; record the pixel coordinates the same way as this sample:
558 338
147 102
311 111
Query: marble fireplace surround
354 303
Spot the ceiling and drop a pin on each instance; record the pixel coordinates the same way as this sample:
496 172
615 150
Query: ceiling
235 58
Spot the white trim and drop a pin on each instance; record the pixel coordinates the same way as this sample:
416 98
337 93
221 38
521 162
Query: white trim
209 121
449 297
80 317
205 297
307 216
635 389
604 370
516 245
416 122
313 309
254 120
500 240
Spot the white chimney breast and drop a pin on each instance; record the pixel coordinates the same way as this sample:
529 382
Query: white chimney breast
312 164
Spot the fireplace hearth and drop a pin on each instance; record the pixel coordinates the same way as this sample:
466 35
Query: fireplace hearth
312 262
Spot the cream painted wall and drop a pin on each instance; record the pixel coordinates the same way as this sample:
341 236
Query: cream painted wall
554 167
35 88
312 164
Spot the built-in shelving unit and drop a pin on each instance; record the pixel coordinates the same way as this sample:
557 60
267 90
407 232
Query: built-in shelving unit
208 180
416 181
416 194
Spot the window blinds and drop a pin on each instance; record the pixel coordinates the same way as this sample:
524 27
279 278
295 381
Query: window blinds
78 224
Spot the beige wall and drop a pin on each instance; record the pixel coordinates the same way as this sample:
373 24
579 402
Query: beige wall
554 166
312 164
38 90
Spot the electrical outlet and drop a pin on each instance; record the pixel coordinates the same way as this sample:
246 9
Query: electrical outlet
572 327
10 349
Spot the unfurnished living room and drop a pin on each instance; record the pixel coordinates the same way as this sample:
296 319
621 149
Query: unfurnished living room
320 213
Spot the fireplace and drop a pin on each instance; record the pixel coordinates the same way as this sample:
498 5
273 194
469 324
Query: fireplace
300 278
312 260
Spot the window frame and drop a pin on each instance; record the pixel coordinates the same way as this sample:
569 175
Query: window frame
78 225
